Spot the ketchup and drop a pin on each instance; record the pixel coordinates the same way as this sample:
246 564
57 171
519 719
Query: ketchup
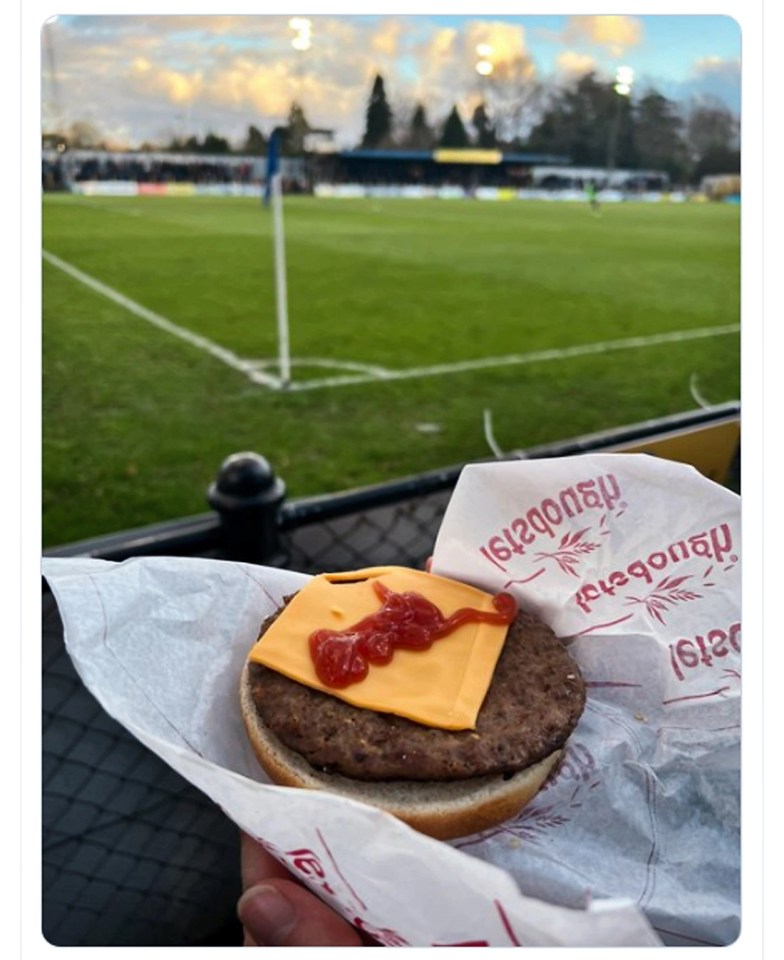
406 620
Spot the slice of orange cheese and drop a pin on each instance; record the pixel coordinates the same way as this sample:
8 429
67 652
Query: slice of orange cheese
443 686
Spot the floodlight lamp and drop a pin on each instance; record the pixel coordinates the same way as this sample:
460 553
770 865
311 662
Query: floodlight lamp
484 50
622 89
302 28
484 68
625 76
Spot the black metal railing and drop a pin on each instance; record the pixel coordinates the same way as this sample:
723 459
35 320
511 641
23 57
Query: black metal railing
394 522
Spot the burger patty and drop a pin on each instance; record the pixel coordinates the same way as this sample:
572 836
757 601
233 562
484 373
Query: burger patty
532 705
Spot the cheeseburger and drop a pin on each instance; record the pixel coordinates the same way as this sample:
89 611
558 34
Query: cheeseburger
442 704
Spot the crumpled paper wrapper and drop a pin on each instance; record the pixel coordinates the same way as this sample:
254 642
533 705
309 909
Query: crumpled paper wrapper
635 841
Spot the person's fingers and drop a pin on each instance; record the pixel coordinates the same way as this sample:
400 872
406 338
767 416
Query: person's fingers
280 913
256 865
275 910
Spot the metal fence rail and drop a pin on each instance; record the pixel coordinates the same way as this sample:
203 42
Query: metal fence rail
392 522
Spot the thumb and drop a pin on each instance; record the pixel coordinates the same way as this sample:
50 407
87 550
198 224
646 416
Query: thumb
281 913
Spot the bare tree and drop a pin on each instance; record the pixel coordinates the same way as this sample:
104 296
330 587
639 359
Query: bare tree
514 96
84 134
711 125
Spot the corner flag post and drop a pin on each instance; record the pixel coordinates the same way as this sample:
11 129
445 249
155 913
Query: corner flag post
273 192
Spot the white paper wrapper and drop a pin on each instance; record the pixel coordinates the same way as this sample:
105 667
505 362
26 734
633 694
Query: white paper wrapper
641 824
635 562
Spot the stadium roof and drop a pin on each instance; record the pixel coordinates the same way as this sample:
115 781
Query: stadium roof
440 155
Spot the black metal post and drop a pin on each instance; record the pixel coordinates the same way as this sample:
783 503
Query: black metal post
612 140
248 496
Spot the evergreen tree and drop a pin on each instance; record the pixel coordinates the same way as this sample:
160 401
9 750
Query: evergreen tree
420 136
297 128
658 134
255 142
215 144
589 123
592 108
454 133
378 118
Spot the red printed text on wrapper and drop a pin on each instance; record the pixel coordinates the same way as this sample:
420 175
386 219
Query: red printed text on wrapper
319 870
544 521
576 777
657 570
680 572
706 651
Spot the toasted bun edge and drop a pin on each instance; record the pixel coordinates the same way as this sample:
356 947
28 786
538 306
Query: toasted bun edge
445 810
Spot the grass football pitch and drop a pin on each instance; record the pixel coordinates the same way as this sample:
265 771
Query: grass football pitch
407 320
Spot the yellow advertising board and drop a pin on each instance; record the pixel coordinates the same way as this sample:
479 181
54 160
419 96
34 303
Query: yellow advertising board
180 190
463 155
709 447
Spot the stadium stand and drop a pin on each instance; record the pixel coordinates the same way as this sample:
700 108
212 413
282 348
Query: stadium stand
483 174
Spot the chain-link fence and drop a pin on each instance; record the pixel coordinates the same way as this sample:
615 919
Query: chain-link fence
400 534
133 855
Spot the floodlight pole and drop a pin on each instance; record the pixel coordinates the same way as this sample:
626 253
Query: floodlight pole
484 69
281 294
612 142
622 88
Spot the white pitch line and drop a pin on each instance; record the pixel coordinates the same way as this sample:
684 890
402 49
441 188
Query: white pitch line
369 373
519 359
246 367
371 370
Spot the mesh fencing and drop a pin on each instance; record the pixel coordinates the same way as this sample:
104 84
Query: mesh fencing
403 533
133 855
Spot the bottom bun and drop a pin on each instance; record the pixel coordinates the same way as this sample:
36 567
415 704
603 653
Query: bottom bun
441 809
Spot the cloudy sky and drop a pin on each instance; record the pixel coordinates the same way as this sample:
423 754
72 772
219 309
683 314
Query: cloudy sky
151 78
